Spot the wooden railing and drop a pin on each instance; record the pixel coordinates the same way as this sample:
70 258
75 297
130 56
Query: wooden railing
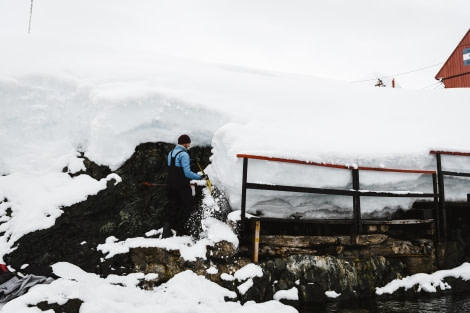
356 193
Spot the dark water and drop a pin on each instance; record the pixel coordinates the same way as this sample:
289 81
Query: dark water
447 304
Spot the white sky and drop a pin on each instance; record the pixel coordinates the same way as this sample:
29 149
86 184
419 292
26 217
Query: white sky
345 40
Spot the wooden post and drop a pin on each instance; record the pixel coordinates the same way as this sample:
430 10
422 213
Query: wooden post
256 241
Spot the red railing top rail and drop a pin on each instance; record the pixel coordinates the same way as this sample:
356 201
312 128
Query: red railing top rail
449 152
265 158
332 165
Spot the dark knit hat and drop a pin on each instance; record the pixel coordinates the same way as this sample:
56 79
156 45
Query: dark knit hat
184 139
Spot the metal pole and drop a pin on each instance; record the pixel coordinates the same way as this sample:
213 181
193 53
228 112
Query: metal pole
357 224
442 200
245 174
435 213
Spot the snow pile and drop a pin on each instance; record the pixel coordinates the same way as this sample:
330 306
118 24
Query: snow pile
332 294
357 126
106 114
184 292
246 274
189 249
291 294
427 282
35 199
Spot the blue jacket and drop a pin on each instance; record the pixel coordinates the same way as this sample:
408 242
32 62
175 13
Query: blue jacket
182 160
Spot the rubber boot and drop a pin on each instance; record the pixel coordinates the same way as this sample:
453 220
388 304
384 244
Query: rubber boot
166 233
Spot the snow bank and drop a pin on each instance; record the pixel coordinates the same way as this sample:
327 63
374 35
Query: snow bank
357 126
246 274
156 98
213 231
427 282
35 199
291 294
45 119
183 293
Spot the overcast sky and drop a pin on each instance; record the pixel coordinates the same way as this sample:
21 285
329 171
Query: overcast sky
340 39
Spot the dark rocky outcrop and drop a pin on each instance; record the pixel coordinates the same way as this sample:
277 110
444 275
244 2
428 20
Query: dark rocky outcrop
124 210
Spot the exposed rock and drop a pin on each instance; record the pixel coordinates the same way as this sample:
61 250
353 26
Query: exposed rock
311 275
167 264
71 306
315 275
222 250
128 209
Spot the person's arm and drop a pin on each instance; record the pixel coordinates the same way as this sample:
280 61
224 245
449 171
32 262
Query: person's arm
186 167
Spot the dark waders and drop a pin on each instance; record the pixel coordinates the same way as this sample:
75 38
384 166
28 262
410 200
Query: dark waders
180 201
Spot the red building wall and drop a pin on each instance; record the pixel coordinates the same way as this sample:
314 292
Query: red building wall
455 73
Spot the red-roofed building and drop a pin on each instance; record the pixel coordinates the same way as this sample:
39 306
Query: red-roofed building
455 73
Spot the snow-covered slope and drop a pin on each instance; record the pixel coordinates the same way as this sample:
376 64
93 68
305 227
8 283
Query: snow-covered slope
46 118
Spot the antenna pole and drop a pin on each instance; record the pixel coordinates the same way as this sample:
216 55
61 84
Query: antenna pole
30 16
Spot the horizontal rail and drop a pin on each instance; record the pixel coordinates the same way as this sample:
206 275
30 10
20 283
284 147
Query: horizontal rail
264 158
397 194
342 221
449 153
462 174
340 166
398 222
292 219
341 192
338 192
